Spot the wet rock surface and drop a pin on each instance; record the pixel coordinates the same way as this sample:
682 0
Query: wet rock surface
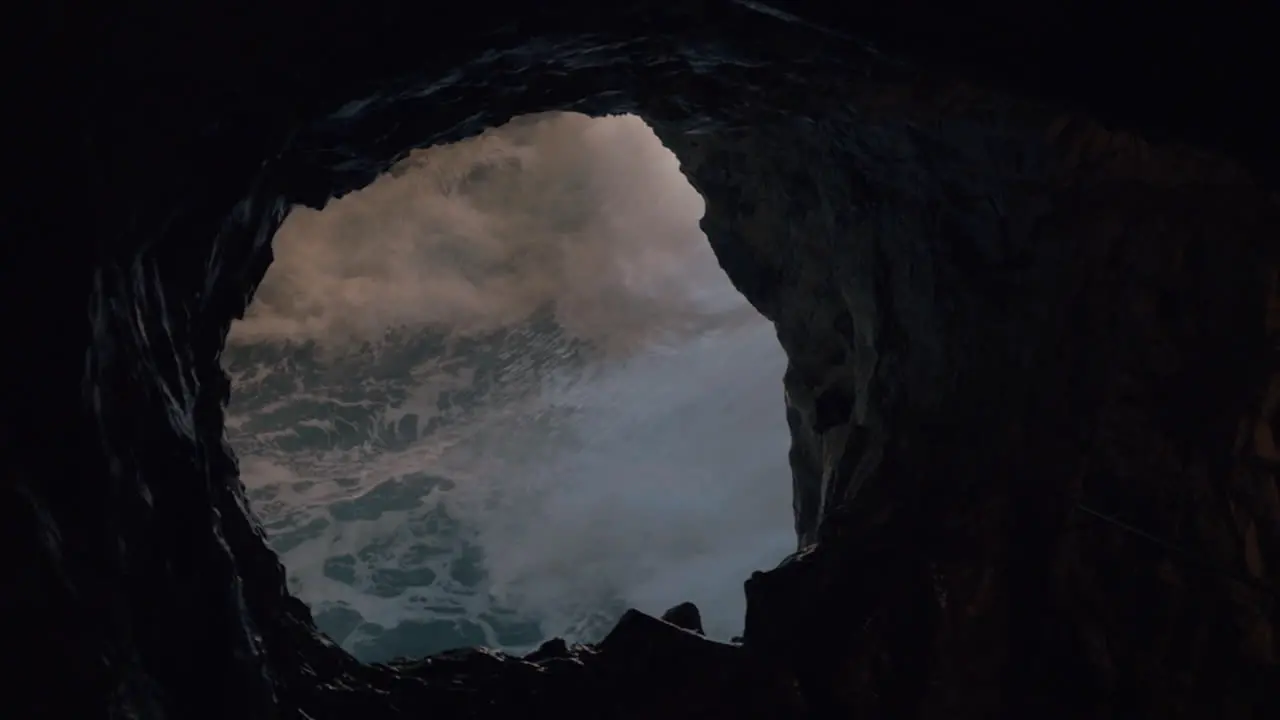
685 616
1029 294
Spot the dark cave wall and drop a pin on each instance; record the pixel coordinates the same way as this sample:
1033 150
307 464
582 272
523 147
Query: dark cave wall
1001 318
999 327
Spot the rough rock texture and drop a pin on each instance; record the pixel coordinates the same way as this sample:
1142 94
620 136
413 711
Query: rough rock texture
1022 258
1032 355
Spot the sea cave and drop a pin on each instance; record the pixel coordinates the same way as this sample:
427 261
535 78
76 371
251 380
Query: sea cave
1019 261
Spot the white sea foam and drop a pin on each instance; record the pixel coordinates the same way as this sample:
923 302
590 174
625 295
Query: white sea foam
425 448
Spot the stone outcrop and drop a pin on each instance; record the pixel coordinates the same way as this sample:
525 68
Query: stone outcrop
685 616
1022 259
1015 398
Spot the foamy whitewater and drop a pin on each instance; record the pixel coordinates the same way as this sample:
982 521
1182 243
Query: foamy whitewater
505 393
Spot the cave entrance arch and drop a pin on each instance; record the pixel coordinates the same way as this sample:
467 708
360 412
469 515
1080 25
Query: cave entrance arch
504 393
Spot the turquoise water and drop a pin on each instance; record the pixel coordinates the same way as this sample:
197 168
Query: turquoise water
506 393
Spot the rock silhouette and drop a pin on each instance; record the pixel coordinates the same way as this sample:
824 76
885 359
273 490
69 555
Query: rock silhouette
685 616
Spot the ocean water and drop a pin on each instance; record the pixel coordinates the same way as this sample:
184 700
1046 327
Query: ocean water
505 393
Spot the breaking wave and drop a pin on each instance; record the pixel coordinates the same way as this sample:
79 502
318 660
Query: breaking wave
505 392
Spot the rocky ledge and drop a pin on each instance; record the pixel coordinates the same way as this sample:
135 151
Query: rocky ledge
1022 259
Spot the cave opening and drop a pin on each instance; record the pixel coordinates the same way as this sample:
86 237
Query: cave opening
505 392
1010 279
